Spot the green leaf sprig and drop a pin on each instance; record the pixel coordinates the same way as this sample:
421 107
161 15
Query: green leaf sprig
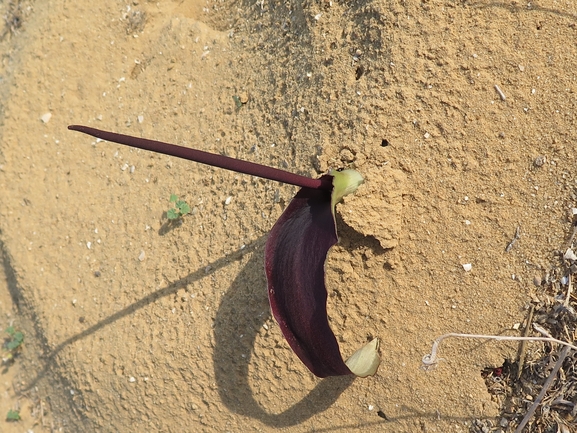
180 208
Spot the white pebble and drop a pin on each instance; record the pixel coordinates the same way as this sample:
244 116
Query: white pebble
564 280
140 118
46 117
467 222
132 168
142 256
318 16
88 245
467 267
124 167
228 200
132 379
427 135
569 255
371 407
574 210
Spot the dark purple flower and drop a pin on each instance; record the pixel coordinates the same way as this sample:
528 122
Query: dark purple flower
295 255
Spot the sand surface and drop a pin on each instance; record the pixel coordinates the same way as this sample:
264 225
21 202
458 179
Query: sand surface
137 325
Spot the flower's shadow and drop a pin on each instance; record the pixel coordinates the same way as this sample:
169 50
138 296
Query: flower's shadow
243 311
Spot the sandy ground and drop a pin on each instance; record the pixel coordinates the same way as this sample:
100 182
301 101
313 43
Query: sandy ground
134 325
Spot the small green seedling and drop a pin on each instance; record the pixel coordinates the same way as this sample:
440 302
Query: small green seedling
237 102
181 208
13 415
13 343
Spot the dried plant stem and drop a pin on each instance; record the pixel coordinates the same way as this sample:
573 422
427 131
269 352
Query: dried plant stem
546 386
569 290
431 360
523 344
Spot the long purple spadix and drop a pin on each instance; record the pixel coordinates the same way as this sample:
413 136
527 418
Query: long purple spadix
215 160
295 255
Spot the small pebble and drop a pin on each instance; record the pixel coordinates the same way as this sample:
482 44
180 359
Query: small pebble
88 245
467 267
46 117
140 118
228 200
371 407
132 379
569 255
427 135
141 256
540 161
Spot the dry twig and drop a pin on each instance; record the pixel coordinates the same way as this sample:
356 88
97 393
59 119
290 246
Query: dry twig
431 360
546 386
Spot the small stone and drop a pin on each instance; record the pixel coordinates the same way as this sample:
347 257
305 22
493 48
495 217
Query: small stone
88 245
569 255
243 97
427 135
228 200
540 161
467 267
140 118
132 379
347 156
142 256
46 117
537 281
